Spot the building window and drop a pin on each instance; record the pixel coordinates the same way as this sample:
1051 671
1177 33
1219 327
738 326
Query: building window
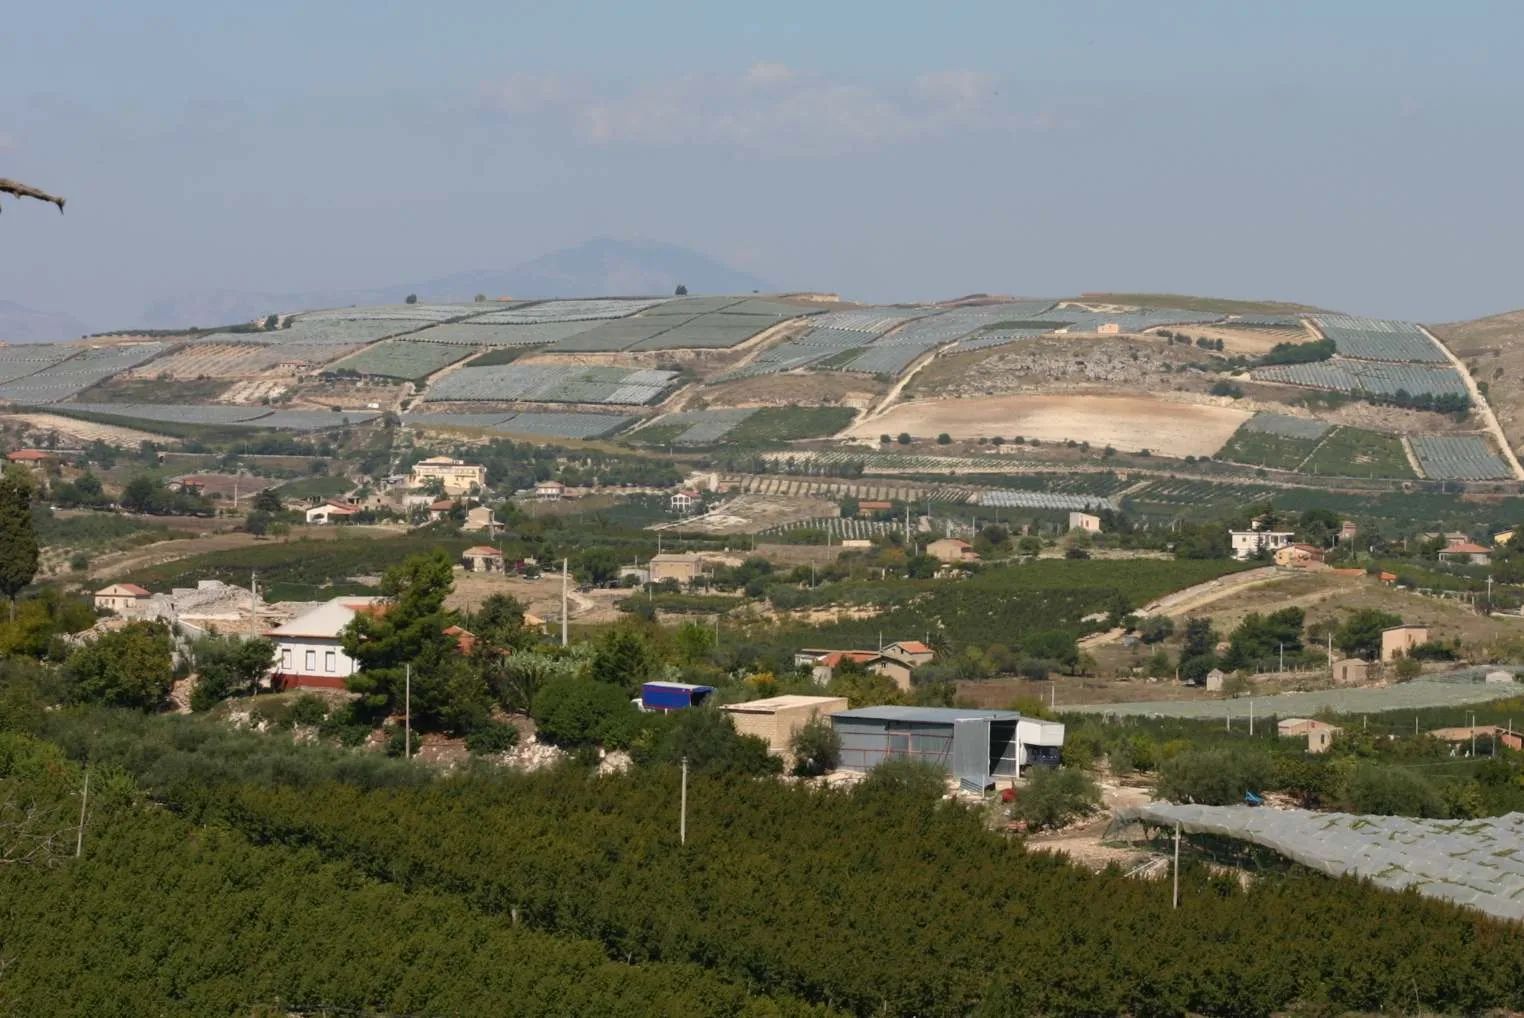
312 660
285 659
328 661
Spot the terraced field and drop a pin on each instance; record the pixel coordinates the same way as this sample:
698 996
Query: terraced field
552 383
401 358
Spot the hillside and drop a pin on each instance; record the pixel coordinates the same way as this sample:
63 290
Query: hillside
20 324
1493 349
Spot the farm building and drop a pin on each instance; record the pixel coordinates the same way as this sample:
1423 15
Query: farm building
823 667
122 598
668 696
32 459
1299 556
872 506
1465 553
1088 522
1249 543
950 549
1319 734
332 512
482 559
550 491
776 719
457 476
1350 672
1347 531
1397 641
478 517
308 650
913 652
1486 735
976 746
682 566
1214 680
440 508
685 502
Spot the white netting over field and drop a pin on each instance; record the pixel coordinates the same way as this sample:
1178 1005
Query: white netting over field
1458 458
1375 339
1475 863
1044 500
552 383
64 379
1285 426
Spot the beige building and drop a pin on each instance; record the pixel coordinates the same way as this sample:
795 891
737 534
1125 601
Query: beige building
683 566
950 549
478 517
1319 734
776 719
1088 522
1299 556
121 598
482 559
550 491
1350 672
1397 641
457 476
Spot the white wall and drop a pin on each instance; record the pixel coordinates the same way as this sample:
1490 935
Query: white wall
291 657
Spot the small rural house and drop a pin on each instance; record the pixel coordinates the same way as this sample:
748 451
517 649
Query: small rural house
32 459
685 502
912 652
951 549
482 559
868 507
1299 556
307 649
122 598
1350 672
440 508
549 491
1214 680
1249 543
1347 531
1088 522
1465 552
1502 537
1319 734
776 719
332 512
682 566
478 517
1485 735
823 667
977 747
1397 641
457 476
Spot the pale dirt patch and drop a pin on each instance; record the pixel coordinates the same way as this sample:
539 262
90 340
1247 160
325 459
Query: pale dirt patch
1128 423
86 432
541 597
1249 342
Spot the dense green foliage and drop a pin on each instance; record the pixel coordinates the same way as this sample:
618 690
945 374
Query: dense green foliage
126 667
1300 353
226 666
18 542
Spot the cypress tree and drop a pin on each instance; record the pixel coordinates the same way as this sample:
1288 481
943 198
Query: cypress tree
18 541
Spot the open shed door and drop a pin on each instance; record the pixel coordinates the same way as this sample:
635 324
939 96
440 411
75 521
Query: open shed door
971 753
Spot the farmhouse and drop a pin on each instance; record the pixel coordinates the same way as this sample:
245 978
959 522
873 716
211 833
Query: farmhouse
1465 552
776 719
1397 641
823 667
1493 734
482 559
912 652
308 650
950 549
332 512
976 747
33 459
1347 531
457 476
874 506
685 502
1249 543
1088 522
1299 556
122 598
1319 734
1350 672
684 566
440 508
478 517
549 491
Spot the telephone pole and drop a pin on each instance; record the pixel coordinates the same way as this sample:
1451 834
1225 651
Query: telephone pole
84 802
407 711
682 815
563 601
1176 902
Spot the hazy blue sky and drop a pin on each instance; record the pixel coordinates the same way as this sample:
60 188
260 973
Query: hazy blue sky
1364 156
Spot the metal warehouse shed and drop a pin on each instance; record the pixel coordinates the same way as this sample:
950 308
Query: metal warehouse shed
776 719
975 746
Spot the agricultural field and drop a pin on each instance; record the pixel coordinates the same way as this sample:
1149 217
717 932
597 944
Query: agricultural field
552 383
1458 458
131 388
787 424
1353 452
1127 423
838 528
1493 349
1371 378
1062 362
538 424
23 359
1373 339
1192 499
240 360
876 488
579 310
692 427
63 379
1274 440
400 358
477 333
1045 500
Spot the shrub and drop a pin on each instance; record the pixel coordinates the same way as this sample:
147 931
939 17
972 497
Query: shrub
1055 796
916 779
816 748
1214 777
944 439
573 712
492 737
1393 791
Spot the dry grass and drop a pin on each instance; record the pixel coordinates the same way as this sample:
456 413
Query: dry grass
1493 349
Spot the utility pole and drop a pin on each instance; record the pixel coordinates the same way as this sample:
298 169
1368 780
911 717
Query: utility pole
407 711
1176 903
1282 669
1473 735
1251 717
84 802
682 815
563 599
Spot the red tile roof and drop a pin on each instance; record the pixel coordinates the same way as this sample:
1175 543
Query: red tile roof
913 646
28 456
1465 548
482 549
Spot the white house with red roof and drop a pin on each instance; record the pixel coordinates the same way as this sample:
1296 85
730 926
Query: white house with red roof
332 512
912 652
122 598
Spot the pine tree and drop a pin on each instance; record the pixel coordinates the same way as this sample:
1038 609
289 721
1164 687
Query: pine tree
18 542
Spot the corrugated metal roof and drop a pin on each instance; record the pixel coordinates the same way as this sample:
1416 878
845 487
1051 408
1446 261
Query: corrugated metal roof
931 715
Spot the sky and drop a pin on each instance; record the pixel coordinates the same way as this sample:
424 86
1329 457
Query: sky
1362 156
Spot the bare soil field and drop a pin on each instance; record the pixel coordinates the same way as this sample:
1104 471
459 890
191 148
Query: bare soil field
1249 342
833 389
1493 351
1060 362
1127 423
542 597
748 514
85 432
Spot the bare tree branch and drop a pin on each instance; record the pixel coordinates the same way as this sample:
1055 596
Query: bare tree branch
20 190
29 835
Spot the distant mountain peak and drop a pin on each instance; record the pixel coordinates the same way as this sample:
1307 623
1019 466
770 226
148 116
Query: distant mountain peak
601 266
